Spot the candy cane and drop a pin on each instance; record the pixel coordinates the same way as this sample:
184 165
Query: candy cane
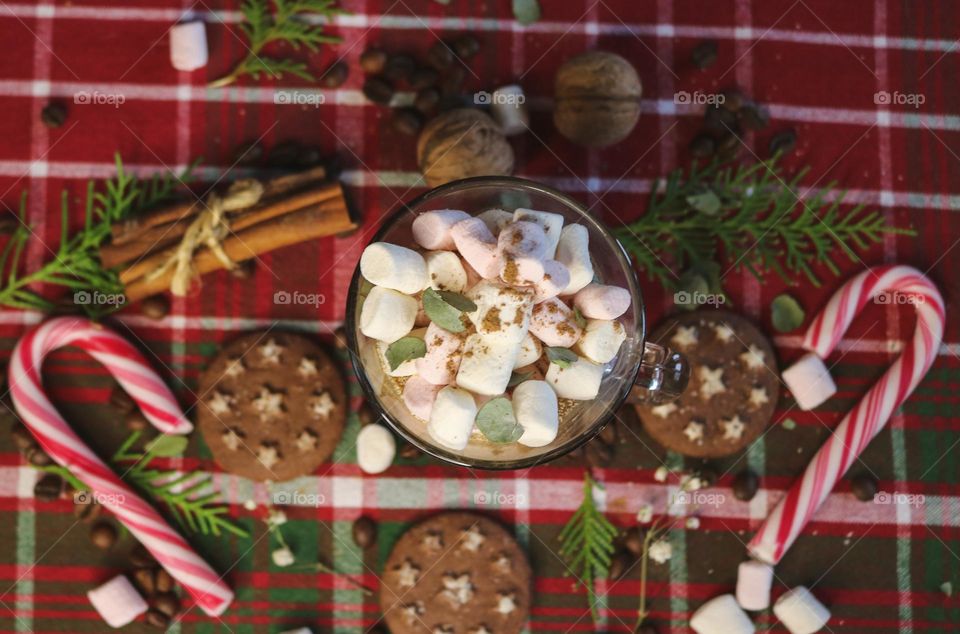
868 417
159 406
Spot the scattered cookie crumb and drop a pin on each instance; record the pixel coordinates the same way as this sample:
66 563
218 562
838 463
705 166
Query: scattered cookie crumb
661 474
693 523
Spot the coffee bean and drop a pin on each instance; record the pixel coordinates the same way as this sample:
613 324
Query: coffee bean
426 100
38 457
399 68
365 414
407 121
364 532
440 56
719 121
424 78
783 142
144 578
733 99
244 270
704 54
22 437
729 142
53 115
163 581
864 487
166 602
141 557
156 307
48 488
410 451
103 535
745 485
121 401
753 117
372 61
702 146
136 421
156 618
335 76
378 90
608 435
452 82
633 541
620 564
466 46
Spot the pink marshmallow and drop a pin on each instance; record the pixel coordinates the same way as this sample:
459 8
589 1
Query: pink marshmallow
419 395
555 278
597 301
444 348
117 601
522 247
477 246
431 229
552 322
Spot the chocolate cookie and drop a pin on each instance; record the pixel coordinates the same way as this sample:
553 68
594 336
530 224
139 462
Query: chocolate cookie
456 573
272 406
733 389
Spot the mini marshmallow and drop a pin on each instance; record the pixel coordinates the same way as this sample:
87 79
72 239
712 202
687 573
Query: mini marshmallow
721 615
601 340
552 225
754 580
501 310
522 247
508 106
476 244
406 368
800 611
188 45
117 601
597 301
809 381
387 315
553 323
439 366
431 229
487 363
299 630
376 448
556 277
496 219
419 395
537 411
530 351
451 420
395 267
445 271
579 381
573 251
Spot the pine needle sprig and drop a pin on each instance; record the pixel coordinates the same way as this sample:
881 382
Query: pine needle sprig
586 544
286 23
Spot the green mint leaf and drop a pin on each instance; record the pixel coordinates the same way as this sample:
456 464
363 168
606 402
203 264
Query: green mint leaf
789 424
458 301
562 357
518 377
496 421
167 446
579 318
706 203
786 313
440 312
526 11
405 349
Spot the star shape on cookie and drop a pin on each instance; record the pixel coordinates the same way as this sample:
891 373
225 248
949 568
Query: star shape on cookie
758 396
407 574
481 630
307 368
458 589
231 439
268 403
723 332
412 612
322 405
268 455
220 402
694 431
685 337
711 381
503 563
432 541
471 538
664 410
270 352
506 603
754 357
442 629
234 368
307 441
732 428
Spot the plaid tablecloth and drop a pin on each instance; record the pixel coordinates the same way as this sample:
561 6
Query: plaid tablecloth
818 65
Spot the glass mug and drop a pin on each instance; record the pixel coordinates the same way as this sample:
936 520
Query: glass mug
642 370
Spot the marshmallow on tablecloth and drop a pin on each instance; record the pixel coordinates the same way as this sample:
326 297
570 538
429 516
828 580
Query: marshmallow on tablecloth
451 420
395 267
445 271
496 219
800 611
476 244
721 615
573 251
537 411
556 277
530 351
553 323
552 225
579 381
501 310
442 360
376 448
117 601
809 381
188 45
487 363
754 580
419 395
597 301
406 368
522 248
431 229
601 340
387 315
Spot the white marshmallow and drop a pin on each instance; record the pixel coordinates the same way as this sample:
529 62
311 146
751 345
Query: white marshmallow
487 364
376 448
509 109
408 367
393 266
522 248
721 615
553 323
451 420
501 310
476 244
809 381
496 219
530 351
580 381
117 601
188 45
387 315
754 581
556 277
601 340
552 225
573 251
537 411
419 395
800 611
299 630
598 301
445 271
439 366
431 229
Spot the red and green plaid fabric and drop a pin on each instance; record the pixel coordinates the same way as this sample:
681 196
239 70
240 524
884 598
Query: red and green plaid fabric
823 68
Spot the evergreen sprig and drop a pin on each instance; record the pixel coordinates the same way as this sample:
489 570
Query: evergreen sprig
286 23
586 544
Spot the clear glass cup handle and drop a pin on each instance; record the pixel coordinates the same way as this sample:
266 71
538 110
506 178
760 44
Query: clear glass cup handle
663 375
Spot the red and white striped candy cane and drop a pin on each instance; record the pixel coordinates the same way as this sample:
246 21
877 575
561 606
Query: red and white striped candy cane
56 437
868 417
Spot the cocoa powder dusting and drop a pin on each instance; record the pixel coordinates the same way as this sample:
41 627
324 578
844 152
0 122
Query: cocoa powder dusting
491 321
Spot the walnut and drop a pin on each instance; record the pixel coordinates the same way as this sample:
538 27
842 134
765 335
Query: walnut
463 143
597 99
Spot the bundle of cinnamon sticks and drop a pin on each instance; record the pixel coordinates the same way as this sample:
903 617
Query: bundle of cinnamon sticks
292 209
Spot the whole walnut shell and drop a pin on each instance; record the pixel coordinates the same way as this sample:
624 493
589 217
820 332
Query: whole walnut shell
597 99
463 143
